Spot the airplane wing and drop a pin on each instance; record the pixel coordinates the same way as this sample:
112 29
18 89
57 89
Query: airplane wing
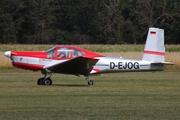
76 66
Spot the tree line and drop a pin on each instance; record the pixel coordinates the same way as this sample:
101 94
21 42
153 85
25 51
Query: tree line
87 21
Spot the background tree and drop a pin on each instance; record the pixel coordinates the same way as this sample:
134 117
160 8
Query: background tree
87 21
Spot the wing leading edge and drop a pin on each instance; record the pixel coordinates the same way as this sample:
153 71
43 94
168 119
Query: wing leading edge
76 66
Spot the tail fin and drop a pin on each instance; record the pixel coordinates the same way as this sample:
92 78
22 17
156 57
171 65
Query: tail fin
154 48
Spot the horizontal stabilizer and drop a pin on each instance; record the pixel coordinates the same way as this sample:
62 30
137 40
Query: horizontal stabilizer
162 63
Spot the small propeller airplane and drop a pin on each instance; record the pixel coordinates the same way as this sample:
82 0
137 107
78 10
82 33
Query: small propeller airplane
77 61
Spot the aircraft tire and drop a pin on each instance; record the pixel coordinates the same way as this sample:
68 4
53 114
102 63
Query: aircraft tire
90 82
40 81
47 81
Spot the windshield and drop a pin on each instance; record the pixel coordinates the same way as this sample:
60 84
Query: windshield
50 52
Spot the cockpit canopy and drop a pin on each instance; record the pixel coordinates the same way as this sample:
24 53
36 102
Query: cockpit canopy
63 52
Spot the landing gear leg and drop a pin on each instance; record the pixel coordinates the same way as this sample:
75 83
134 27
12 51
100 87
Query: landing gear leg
90 82
46 80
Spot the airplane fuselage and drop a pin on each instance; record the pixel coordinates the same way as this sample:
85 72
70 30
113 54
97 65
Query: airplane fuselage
104 65
112 64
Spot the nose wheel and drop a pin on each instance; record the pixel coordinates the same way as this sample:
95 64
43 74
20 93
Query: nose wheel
40 81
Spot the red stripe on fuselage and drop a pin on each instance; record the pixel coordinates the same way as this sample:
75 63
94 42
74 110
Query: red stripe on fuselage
35 54
97 70
33 67
154 52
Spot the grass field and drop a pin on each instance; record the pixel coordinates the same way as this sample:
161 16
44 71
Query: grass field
135 96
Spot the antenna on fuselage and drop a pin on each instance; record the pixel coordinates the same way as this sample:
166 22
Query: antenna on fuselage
122 54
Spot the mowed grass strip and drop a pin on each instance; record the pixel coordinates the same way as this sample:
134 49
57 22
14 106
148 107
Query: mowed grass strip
113 96
91 47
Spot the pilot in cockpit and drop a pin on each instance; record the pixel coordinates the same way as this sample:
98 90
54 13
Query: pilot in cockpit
61 54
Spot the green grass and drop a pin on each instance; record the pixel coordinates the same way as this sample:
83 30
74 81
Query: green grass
95 48
132 96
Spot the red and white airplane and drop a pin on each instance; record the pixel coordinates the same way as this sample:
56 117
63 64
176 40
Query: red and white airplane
78 61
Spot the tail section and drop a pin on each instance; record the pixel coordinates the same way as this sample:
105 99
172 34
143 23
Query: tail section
154 48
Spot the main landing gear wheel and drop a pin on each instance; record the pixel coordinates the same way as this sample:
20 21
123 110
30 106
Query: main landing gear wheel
44 81
90 82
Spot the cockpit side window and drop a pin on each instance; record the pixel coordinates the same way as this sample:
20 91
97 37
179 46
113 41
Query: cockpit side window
78 53
50 52
69 53
75 53
62 53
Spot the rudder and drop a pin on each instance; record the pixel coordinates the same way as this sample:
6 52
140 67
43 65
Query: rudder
154 48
